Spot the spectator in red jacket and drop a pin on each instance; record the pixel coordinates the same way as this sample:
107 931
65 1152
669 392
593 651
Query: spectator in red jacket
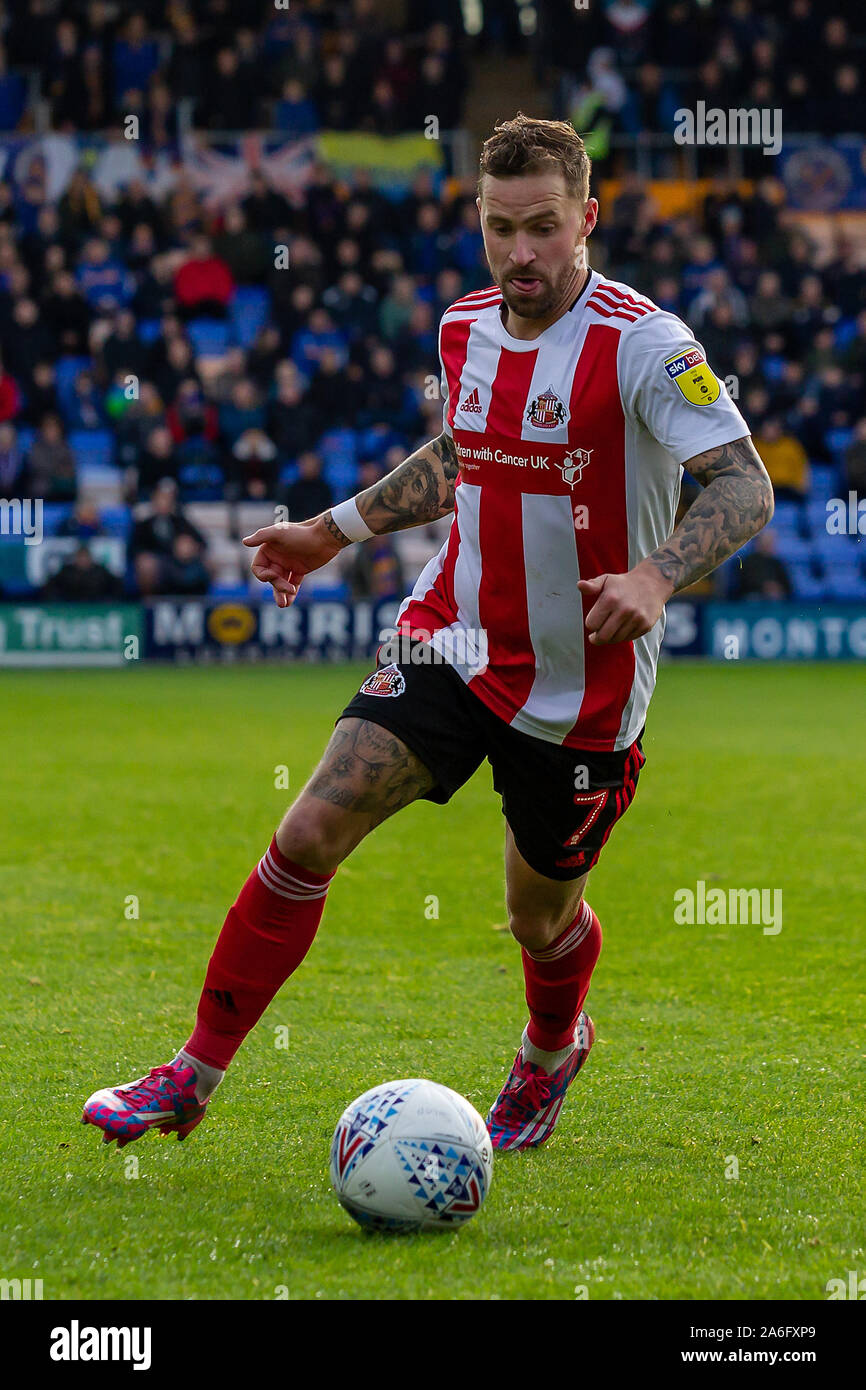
10 396
203 285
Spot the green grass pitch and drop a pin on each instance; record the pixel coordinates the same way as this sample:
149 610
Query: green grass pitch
715 1043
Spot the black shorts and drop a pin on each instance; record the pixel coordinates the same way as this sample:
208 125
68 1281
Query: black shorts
561 803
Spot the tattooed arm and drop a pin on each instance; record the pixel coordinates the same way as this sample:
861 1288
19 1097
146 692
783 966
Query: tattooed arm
419 490
737 500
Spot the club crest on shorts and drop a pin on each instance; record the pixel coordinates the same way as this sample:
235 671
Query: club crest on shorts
388 680
547 411
693 377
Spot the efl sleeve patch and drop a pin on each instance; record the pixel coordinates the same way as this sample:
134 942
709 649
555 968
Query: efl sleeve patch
693 377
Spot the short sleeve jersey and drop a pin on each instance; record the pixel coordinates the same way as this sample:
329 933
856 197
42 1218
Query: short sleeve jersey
571 448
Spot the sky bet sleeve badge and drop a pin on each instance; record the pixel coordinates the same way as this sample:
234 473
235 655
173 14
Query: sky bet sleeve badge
692 375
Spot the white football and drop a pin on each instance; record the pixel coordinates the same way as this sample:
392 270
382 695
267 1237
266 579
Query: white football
411 1154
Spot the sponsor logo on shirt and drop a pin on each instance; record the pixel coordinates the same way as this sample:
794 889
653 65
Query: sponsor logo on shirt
547 411
693 377
573 464
387 681
488 455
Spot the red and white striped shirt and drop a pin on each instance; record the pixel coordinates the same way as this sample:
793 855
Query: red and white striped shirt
570 447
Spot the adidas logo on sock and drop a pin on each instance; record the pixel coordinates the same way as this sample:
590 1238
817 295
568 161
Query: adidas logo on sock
223 999
472 404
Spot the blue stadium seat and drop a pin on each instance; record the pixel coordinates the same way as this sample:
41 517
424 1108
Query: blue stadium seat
53 516
806 584
845 332
773 367
791 546
833 550
788 515
13 99
837 441
201 482
339 450
322 587
250 311
209 337
816 515
228 591
92 448
339 444
26 436
824 480
342 477
117 521
375 441
845 582
148 331
103 483
726 575
66 371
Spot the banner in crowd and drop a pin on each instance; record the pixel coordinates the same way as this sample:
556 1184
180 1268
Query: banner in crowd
820 176
391 160
25 568
30 161
824 175
219 170
756 631
217 167
70 634
213 631
207 630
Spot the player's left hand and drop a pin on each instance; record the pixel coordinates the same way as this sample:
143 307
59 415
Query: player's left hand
626 605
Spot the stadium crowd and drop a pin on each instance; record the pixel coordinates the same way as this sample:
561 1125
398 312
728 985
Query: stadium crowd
296 68
642 60
622 65
154 360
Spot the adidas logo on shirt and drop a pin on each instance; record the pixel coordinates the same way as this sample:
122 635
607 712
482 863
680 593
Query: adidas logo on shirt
472 404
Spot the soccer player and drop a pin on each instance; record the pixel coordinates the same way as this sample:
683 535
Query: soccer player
572 405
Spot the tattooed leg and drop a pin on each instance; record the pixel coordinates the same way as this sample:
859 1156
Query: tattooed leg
365 775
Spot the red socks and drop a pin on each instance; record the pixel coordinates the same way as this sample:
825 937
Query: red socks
271 927
265 937
557 980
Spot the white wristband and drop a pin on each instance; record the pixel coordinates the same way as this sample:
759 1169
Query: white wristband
350 521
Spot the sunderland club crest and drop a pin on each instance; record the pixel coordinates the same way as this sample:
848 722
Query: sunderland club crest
573 465
387 681
547 411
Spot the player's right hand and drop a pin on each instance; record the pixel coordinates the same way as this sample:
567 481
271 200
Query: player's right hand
287 551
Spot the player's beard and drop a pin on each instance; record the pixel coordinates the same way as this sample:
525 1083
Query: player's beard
554 296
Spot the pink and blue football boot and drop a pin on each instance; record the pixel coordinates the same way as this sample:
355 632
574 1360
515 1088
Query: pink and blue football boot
527 1108
165 1099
